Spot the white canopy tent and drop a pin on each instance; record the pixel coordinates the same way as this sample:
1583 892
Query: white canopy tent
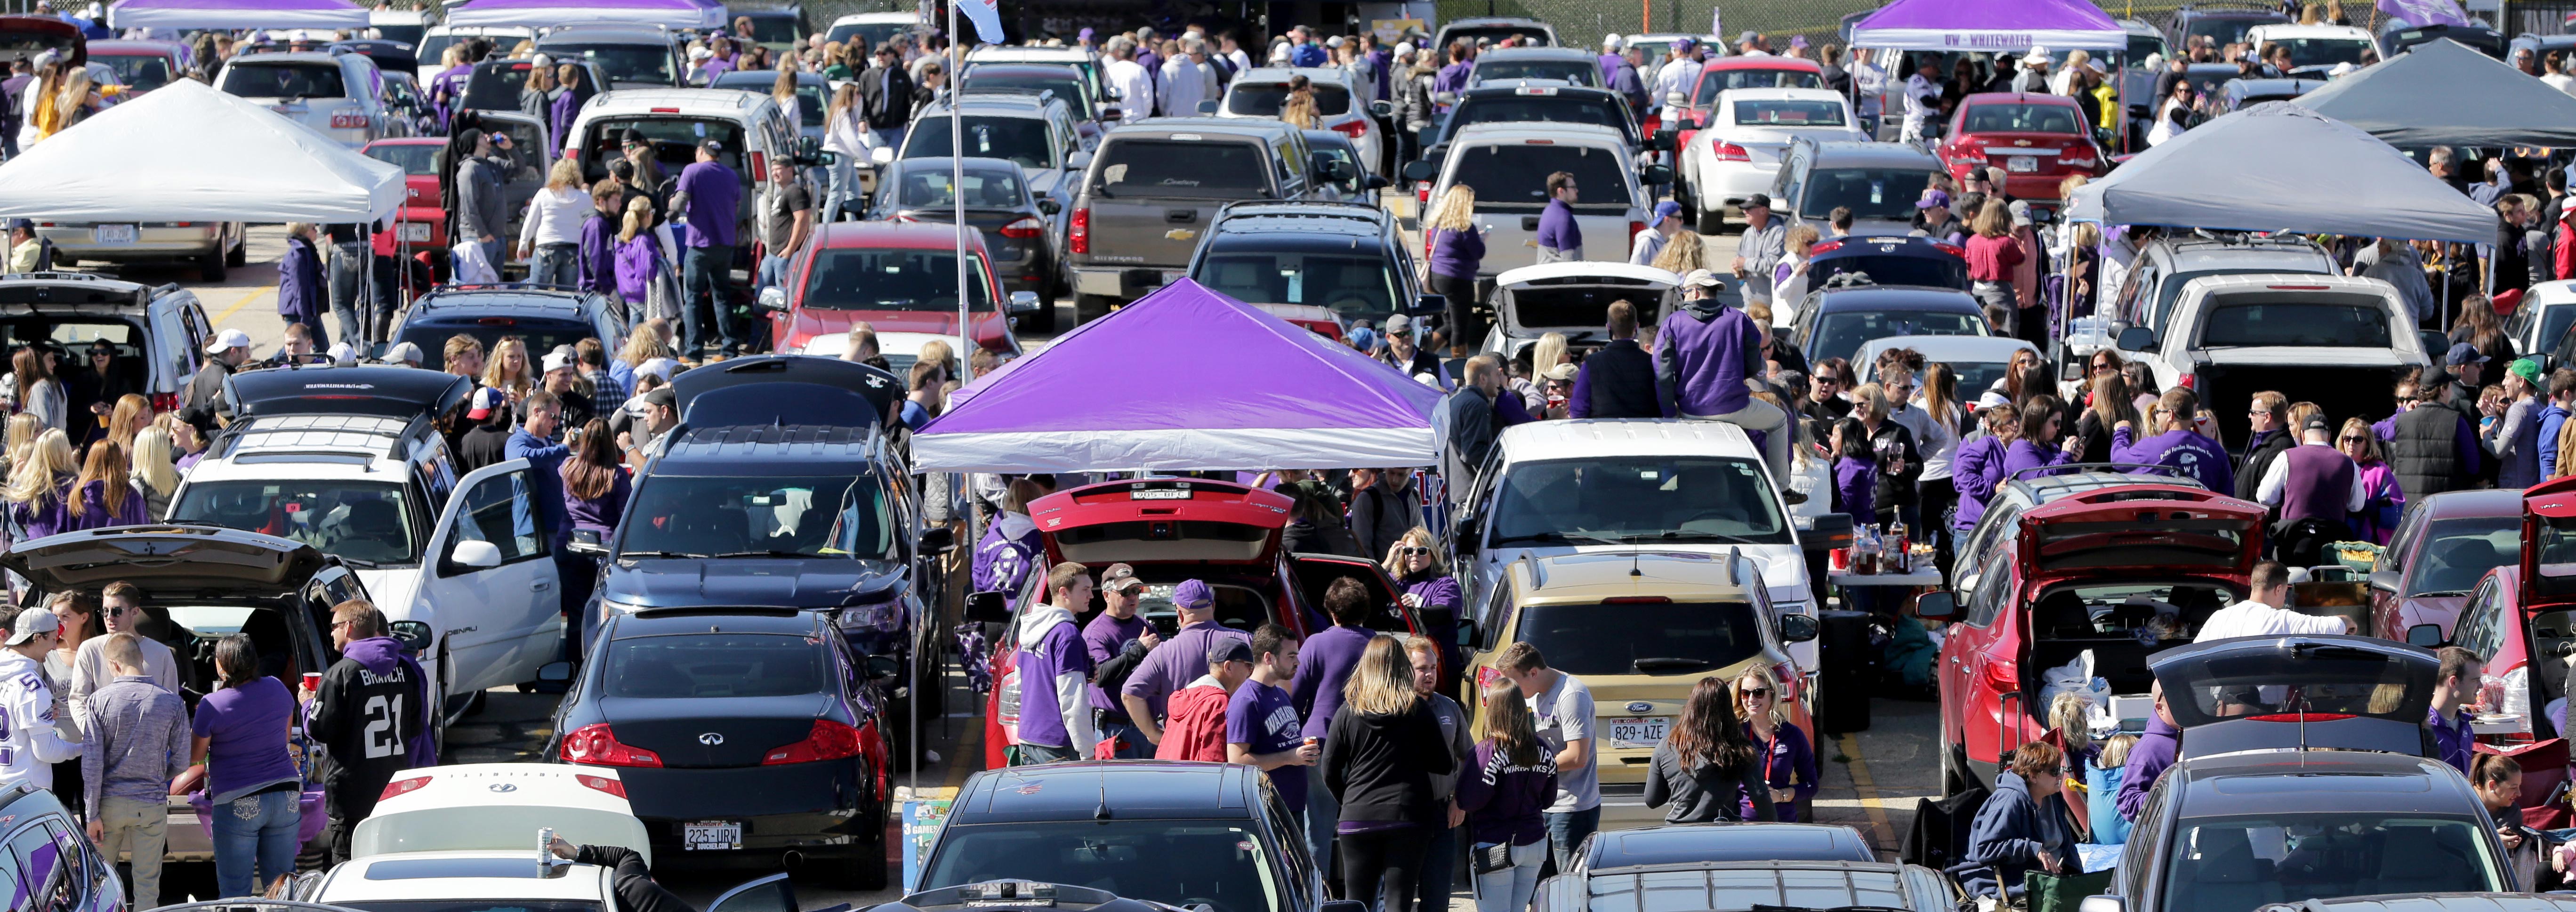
233 161
237 14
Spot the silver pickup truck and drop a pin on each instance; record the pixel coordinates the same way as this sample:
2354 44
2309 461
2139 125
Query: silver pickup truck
1154 188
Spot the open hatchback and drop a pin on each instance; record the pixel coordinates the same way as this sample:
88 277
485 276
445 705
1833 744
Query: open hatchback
2303 692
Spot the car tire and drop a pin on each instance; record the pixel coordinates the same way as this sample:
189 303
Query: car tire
1712 221
240 255
867 870
1087 308
211 267
1952 782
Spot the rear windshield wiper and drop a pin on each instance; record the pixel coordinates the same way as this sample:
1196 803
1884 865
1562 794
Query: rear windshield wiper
773 552
361 563
1651 665
678 554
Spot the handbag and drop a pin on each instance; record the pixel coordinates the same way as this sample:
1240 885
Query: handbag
1492 858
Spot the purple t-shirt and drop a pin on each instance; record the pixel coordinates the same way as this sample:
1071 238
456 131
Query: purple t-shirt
715 192
1264 720
1322 666
248 727
1181 659
1105 637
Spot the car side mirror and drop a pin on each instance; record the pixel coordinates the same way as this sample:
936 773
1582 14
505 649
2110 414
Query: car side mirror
988 608
1939 606
773 298
1079 160
2428 636
1663 140
2137 339
882 155
555 672
939 539
1207 106
1797 628
476 555
2434 341
1024 302
1421 169
1466 632
413 635
586 542
1430 305
1374 182
1050 207
1655 175
1382 109
2387 581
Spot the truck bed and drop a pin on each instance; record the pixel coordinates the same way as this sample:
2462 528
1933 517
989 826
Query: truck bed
2227 390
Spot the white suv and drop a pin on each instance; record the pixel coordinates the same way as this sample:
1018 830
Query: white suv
337 93
1341 104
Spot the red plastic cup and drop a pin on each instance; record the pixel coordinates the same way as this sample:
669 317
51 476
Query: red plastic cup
313 680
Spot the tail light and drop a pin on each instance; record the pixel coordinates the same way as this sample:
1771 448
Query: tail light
595 745
165 402
759 166
1024 229
1785 677
1823 247
829 740
403 787
1634 227
1422 191
1354 128
1079 238
1950 248
602 784
2300 717
1730 152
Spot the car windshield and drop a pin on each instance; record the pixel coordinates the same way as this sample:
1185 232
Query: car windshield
1514 174
2226 30
2142 45
285 80
468 905
923 280
2553 325
2308 52
144 72
364 523
1069 88
432 337
1638 500
1597 110
686 665
986 188
1884 194
496 88
1221 863
2023 118
1668 638
1840 335
774 28
624 63
1019 139
1155 167
1934 272
758 516
810 101
2459 552
1789 112
1352 286
420 160
2242 862
2307 324
870 34
1578 72
1713 82
1264 99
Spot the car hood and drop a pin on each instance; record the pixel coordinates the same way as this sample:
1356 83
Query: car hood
1784 567
393 590
817 583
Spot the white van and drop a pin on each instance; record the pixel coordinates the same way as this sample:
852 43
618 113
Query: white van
751 127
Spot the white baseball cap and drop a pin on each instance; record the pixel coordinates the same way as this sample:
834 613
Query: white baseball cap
1701 278
403 353
659 367
33 623
555 361
228 339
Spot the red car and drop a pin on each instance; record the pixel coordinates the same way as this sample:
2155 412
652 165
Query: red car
1726 73
2521 620
2084 575
142 65
2039 141
1171 530
894 276
2440 550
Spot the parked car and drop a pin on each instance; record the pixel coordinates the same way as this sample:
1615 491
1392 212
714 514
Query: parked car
1017 225
1658 47
2040 140
751 128
2521 649
212 247
813 94
1318 265
1038 134
494 85
2315 49
1836 322
51 862
1872 885
435 41
2396 37
1086 59
1997 529
1134 228
421 219
1687 843
142 65
1878 182
896 277
336 94
1341 104
2443 546
743 737
2063 590
632 56
2537 326
2338 341
1355 182
872 29
1200 834
1721 75
777 28
544 317
159 332
2246 93
1531 103
2223 23
1478 29
1746 133
1509 164
1574 299
1064 82
2157 276
1572 66
1887 259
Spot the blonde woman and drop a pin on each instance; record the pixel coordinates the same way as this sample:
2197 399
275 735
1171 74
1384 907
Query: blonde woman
1457 253
156 471
1788 758
37 485
106 495
1299 111
640 347
23 429
2382 500
551 237
1381 751
76 101
784 92
509 371
845 135
1789 280
1683 252
1432 592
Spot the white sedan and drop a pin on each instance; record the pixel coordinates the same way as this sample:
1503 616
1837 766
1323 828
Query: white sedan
1737 152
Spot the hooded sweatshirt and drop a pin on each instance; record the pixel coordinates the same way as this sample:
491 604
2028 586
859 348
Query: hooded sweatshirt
1009 549
1703 353
2197 456
1055 676
1975 471
2010 831
371 712
1195 729
2023 454
1504 800
2155 750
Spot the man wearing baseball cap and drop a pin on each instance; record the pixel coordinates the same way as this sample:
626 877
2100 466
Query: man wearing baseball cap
2515 438
2433 446
1118 641
1703 354
30 704
226 351
1170 666
1759 249
709 195
1196 729
484 443
1650 242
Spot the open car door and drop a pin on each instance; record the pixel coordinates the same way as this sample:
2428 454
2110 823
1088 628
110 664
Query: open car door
774 893
2299 692
489 570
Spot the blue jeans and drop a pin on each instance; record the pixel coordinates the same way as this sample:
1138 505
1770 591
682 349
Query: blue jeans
706 293
347 279
1509 889
1439 868
1566 832
1323 813
1131 740
255 829
556 264
773 272
891 139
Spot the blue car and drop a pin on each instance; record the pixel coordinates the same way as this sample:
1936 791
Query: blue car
1836 321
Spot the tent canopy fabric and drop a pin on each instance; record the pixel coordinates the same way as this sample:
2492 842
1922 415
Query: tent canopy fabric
2424 12
2444 93
237 14
675 14
2342 181
1990 26
1184 379
240 162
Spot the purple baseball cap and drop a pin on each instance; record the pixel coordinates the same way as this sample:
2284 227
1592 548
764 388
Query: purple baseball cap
1193 594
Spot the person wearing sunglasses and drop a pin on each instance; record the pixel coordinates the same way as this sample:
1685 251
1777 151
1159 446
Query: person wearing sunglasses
2314 487
2378 516
1788 758
1432 593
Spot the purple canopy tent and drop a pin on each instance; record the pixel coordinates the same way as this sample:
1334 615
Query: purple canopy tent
237 14
674 14
1184 379
2424 12
1989 26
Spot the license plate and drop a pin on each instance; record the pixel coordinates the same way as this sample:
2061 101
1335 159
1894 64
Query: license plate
2021 163
1172 275
415 231
1158 495
1645 731
711 834
112 234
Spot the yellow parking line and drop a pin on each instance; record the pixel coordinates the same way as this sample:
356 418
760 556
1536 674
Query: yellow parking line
264 290
1868 790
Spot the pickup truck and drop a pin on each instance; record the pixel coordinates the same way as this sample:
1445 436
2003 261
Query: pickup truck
1154 188
2337 341
1508 165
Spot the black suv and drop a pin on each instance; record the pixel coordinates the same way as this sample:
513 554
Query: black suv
1291 258
544 316
1533 101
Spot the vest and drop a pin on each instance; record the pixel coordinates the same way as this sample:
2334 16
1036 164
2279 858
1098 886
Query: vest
1621 381
2318 485
2425 451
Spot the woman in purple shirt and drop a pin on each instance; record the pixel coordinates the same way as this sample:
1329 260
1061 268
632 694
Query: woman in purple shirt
1457 251
1788 757
2041 419
37 485
105 492
595 487
240 751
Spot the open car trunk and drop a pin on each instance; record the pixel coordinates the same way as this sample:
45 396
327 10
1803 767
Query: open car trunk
785 389
2120 623
2304 692
1162 519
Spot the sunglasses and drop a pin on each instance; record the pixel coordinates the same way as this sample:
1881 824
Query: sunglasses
1758 692
1413 550
2356 439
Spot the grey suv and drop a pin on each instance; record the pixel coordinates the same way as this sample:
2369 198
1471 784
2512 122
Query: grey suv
1879 181
1155 187
1315 264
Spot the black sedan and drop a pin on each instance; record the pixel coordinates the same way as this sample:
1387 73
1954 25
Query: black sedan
1019 228
744 736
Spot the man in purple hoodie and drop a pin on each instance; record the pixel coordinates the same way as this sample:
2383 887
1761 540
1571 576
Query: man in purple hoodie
1703 354
2148 759
1055 674
1178 661
597 267
1323 666
2179 446
371 713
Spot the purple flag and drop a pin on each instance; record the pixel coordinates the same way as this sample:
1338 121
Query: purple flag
2424 12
